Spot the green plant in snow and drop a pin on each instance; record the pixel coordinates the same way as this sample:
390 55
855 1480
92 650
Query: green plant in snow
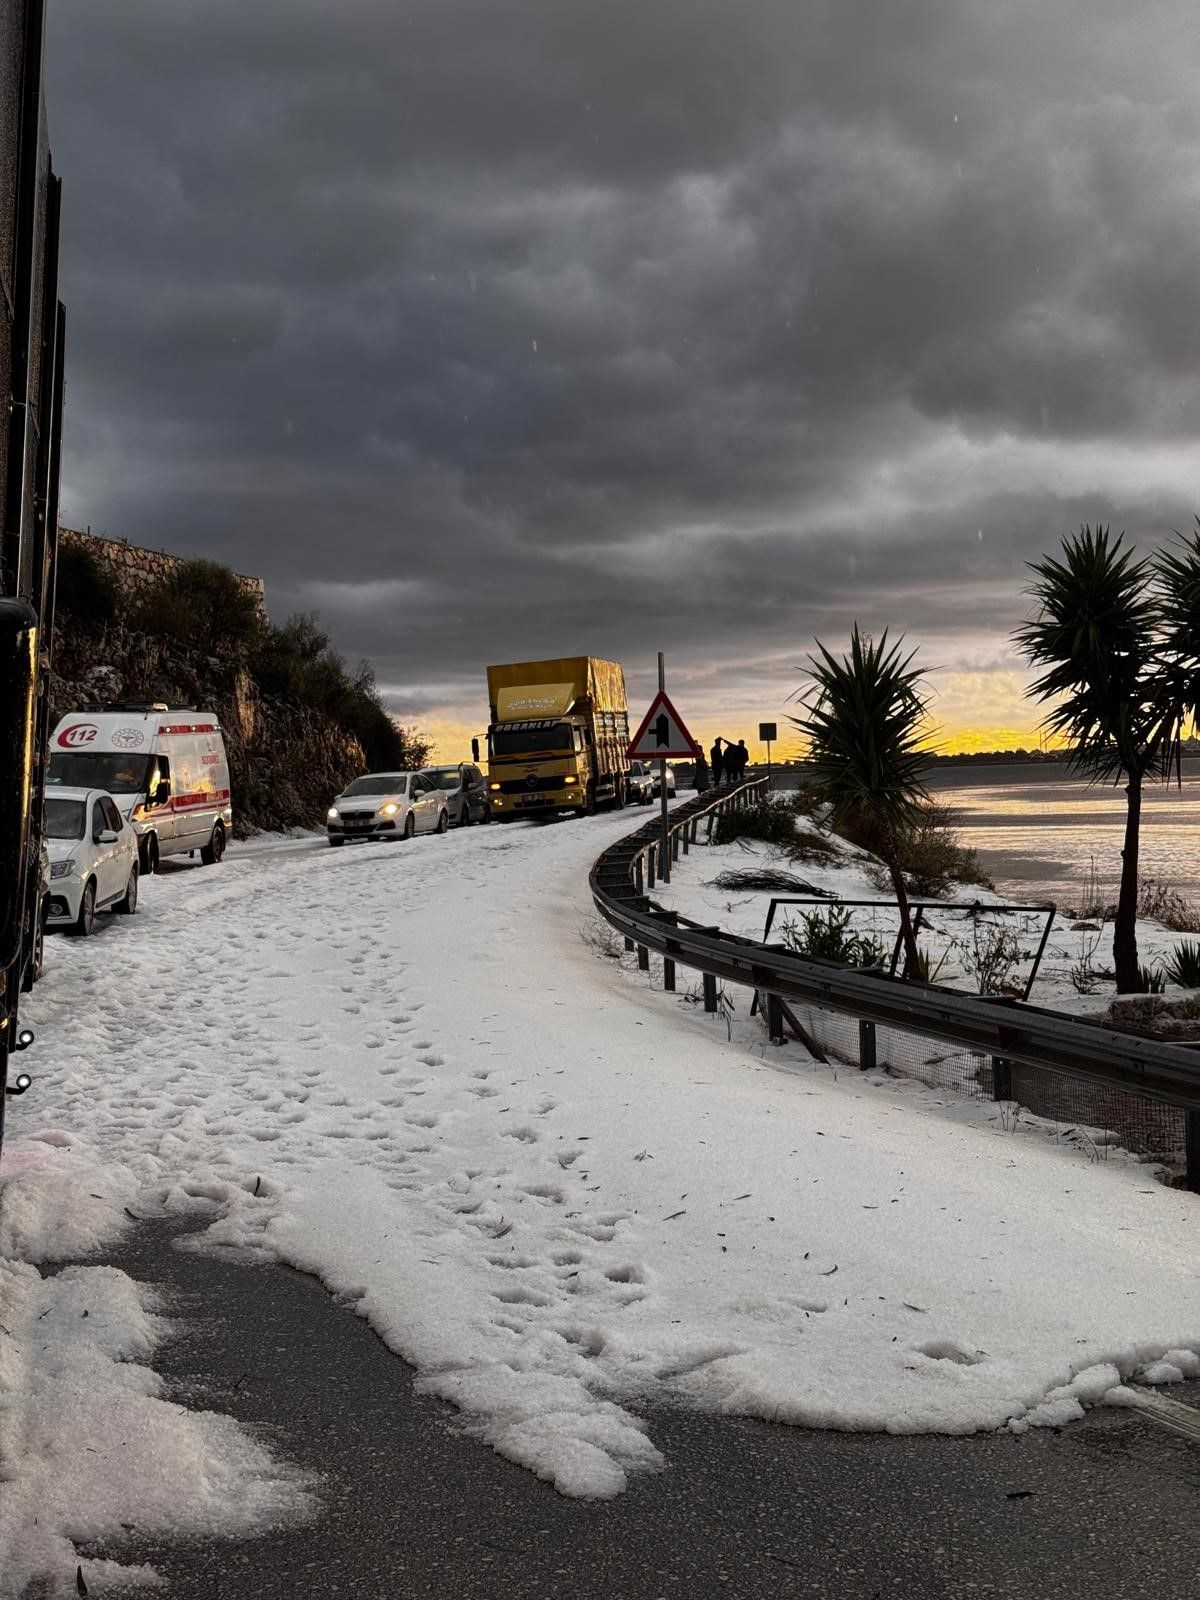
1183 965
829 936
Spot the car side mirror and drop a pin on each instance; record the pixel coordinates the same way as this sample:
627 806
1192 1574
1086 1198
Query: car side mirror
162 791
106 836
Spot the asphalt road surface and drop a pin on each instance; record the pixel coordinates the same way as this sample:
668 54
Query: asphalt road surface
412 1506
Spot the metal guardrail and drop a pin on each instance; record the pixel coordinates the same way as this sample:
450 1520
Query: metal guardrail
1010 1031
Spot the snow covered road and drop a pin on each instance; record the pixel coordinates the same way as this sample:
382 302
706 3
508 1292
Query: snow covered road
555 1190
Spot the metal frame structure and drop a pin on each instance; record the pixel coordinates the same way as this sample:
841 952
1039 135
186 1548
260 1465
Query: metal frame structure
1048 911
1010 1031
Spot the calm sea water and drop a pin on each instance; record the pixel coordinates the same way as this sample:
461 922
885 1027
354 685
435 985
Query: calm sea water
1040 833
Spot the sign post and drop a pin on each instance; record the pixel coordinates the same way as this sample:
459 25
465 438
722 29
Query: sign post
664 855
662 737
768 732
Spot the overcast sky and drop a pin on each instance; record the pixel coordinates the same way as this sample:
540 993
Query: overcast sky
502 328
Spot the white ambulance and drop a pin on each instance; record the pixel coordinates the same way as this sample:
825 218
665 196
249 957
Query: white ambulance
166 769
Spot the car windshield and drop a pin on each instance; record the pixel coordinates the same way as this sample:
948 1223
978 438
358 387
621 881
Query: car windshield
524 738
99 769
444 777
65 818
377 783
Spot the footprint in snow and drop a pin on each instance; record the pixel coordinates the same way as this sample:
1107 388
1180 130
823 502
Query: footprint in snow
518 1295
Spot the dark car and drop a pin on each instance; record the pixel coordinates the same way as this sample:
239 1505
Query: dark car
466 792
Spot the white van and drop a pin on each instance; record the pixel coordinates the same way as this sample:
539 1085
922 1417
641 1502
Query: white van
165 768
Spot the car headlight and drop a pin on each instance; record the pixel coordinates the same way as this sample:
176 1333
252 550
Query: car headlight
494 787
390 809
333 814
570 779
62 869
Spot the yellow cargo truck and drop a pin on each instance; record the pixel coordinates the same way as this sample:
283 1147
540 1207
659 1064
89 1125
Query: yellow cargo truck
558 736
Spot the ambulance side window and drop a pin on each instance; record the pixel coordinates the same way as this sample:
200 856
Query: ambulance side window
160 772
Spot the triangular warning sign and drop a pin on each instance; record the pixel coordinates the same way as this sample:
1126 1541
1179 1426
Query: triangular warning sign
662 735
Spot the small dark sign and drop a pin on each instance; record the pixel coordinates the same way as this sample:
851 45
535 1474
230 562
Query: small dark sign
767 731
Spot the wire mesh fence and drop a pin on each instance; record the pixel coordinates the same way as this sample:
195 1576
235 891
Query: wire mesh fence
1093 1116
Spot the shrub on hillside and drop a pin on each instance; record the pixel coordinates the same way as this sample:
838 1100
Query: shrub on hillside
203 606
297 662
931 855
771 823
84 589
1162 903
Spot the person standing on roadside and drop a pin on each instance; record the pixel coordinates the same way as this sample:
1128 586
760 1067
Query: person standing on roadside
718 763
743 759
700 774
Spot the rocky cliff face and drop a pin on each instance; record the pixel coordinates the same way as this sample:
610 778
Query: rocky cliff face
287 761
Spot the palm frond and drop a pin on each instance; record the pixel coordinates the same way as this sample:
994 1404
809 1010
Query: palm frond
1095 637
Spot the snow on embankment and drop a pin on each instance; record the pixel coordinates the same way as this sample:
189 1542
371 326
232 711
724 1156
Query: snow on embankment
561 1193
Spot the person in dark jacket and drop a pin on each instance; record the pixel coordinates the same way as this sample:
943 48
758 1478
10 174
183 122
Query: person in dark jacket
700 774
718 763
743 759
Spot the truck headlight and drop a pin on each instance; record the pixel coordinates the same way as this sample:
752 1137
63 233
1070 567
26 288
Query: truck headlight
332 814
570 778
62 869
494 787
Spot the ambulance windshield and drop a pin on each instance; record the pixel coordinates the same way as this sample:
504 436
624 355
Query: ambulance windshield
113 770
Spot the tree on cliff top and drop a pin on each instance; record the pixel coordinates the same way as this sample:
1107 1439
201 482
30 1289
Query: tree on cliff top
202 605
297 662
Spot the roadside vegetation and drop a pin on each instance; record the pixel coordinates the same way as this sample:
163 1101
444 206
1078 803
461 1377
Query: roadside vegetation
865 718
1117 640
299 722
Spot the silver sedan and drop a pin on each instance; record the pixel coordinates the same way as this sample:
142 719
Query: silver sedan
387 805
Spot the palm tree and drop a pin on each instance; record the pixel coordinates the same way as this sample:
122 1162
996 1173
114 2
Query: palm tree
864 717
1096 635
1178 575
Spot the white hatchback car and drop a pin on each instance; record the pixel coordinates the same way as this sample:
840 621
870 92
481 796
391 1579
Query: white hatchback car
388 805
93 858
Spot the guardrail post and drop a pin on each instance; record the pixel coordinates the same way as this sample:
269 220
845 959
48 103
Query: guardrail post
683 834
774 1019
637 876
674 847
1191 1144
628 942
1001 1078
710 992
866 1046
650 868
668 975
643 958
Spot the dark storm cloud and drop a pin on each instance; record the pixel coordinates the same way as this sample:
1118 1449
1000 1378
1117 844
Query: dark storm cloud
474 324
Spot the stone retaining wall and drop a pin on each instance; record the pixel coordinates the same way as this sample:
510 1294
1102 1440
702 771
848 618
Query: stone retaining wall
135 569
